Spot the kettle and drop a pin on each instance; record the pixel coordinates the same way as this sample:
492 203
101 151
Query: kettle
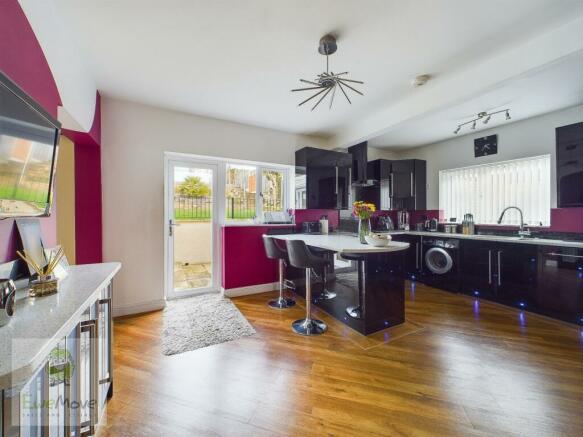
7 295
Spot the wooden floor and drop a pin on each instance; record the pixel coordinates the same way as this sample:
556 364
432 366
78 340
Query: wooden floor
457 367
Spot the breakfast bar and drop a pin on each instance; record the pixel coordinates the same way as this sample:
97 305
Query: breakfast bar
369 298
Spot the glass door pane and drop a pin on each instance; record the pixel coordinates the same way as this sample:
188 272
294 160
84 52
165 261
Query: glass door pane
192 227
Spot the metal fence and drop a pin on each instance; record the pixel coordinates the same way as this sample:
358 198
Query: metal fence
200 208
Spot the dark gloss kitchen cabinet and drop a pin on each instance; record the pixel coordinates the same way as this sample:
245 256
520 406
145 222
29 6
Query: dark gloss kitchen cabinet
559 291
570 165
401 184
503 272
326 178
413 256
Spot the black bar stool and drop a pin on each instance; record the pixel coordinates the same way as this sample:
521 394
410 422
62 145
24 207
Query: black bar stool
325 294
273 251
301 258
357 311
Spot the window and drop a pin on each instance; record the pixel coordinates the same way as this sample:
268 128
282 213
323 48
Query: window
248 197
485 190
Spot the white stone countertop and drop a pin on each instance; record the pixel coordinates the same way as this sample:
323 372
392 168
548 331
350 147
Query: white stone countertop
342 243
497 238
40 323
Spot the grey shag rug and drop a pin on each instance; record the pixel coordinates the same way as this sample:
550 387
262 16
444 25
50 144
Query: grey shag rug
200 321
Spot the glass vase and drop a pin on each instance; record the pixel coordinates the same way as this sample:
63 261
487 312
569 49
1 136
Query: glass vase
363 229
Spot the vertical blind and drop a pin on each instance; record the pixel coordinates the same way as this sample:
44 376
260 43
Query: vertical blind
485 190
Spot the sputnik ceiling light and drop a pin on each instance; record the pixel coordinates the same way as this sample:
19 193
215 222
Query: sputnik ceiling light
327 82
484 117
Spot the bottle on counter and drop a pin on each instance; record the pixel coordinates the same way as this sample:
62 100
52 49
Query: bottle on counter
324 225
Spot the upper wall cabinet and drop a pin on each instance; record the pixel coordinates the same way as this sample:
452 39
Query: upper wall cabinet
323 179
570 165
402 184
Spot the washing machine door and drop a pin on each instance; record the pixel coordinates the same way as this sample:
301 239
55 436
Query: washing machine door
438 260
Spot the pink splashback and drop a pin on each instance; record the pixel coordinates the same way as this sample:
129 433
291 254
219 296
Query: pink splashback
314 215
567 219
22 59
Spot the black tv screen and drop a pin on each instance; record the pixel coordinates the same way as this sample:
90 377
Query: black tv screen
28 150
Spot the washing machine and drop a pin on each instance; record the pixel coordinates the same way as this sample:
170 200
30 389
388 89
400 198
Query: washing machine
441 261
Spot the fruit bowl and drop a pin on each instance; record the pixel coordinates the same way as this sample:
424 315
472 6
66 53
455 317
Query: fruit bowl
378 240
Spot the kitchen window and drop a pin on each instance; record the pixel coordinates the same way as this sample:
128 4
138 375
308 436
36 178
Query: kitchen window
485 190
251 191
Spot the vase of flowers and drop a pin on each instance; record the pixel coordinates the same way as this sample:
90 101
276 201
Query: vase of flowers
363 211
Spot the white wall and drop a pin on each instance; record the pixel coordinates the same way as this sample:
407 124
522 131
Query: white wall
134 138
531 137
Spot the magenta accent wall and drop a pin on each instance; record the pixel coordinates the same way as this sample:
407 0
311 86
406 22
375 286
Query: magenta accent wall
88 202
22 59
314 215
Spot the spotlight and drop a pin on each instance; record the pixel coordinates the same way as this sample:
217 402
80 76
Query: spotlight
487 119
508 115
474 125
457 130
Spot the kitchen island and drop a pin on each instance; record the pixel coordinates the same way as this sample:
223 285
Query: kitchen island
379 269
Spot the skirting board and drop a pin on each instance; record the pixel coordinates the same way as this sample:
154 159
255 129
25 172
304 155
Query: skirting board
144 307
251 289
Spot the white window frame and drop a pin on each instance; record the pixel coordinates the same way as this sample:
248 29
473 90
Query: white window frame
500 199
288 171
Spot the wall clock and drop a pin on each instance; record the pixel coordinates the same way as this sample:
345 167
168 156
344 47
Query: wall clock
486 146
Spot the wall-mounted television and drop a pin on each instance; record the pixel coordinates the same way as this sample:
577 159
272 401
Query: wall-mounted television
29 138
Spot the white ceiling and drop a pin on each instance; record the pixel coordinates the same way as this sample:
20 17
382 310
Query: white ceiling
238 60
548 89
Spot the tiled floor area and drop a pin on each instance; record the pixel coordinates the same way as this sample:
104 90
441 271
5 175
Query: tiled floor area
187 276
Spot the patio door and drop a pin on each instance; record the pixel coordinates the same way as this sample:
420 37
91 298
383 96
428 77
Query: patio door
191 216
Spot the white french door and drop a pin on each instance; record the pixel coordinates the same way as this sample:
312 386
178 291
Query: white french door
191 227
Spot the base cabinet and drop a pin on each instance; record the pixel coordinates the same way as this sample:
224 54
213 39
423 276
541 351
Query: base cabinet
68 392
559 291
413 256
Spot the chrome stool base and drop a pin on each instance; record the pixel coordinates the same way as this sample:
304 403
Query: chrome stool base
309 327
326 295
354 311
281 302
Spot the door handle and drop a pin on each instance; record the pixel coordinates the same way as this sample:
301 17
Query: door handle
489 267
171 226
564 254
499 269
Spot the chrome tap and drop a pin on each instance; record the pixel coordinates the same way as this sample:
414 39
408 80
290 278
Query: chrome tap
7 293
521 230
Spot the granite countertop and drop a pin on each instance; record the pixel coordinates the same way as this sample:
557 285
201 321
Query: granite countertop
342 243
40 323
497 238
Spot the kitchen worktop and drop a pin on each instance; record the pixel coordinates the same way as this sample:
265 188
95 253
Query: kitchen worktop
40 323
496 238
342 243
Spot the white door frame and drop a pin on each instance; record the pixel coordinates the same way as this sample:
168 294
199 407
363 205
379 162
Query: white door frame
183 161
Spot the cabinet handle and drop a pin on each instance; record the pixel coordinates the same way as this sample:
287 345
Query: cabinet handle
336 169
489 267
564 254
499 269
91 327
417 255
107 378
412 193
392 187
349 176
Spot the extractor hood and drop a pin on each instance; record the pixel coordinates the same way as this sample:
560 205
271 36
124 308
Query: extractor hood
359 154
